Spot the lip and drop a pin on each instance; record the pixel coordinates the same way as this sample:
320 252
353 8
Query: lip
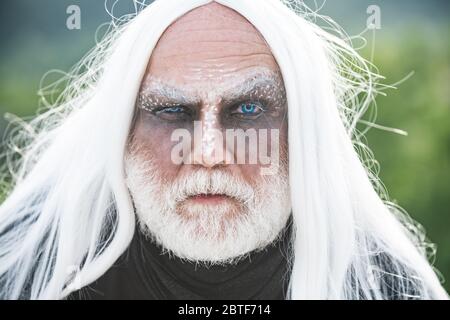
209 198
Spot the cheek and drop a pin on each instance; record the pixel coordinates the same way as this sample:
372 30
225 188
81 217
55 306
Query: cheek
252 172
153 141
284 149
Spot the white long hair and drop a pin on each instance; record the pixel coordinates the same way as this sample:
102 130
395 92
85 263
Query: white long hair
69 215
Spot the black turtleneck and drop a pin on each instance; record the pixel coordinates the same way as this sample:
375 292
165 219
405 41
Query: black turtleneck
145 272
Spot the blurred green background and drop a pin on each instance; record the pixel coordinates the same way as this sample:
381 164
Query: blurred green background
414 36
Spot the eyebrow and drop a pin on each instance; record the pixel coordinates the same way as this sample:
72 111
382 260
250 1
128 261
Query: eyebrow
159 93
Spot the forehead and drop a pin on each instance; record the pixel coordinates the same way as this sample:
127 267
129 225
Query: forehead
208 47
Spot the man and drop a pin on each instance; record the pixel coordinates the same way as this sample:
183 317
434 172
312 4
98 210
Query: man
225 129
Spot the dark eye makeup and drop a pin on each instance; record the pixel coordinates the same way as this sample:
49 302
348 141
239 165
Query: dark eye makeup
243 110
173 113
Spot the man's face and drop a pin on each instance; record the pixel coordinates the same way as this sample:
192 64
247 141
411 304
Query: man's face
210 72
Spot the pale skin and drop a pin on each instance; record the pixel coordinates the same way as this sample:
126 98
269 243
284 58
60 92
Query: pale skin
206 54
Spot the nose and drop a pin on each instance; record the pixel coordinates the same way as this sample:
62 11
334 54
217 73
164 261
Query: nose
209 149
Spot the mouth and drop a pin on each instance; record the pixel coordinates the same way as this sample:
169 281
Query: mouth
209 199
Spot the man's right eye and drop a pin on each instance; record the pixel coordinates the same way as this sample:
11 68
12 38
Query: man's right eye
173 113
172 110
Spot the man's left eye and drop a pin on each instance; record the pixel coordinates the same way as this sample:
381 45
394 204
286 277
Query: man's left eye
248 109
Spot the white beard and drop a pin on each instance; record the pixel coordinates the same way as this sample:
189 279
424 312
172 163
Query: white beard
209 234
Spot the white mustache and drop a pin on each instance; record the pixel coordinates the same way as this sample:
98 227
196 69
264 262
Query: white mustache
214 182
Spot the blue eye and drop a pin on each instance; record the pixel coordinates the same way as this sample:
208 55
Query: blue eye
248 109
173 113
173 110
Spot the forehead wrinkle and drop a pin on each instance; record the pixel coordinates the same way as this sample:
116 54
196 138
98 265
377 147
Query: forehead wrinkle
216 32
